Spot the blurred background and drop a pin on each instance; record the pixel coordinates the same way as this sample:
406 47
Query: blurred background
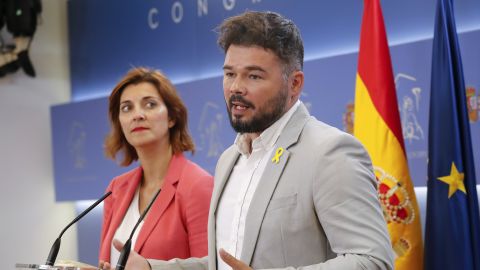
53 122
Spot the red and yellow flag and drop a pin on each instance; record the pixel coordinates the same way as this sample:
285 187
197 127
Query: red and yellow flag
377 126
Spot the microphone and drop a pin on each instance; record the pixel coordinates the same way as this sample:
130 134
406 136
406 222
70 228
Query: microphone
122 259
52 256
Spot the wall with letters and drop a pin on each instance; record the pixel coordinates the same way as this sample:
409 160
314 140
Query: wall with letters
178 37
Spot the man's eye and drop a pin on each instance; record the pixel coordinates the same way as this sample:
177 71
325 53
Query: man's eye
254 77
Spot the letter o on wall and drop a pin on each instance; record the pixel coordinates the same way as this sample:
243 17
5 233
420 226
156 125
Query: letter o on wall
177 12
228 4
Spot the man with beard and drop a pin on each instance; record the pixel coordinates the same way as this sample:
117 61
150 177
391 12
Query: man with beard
291 192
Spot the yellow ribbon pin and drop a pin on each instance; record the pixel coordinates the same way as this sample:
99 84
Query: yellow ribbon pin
277 156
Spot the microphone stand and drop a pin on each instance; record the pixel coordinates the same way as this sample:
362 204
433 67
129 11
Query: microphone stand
52 256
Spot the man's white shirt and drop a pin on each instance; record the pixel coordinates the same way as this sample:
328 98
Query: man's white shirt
240 188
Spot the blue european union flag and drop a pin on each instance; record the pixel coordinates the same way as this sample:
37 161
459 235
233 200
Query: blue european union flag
452 233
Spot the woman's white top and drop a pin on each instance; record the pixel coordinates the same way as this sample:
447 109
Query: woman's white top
126 227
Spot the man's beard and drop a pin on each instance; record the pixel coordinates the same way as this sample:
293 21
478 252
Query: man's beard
263 119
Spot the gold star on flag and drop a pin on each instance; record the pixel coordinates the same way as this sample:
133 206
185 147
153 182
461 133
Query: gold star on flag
454 180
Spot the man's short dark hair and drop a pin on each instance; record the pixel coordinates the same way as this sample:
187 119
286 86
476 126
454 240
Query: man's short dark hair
268 30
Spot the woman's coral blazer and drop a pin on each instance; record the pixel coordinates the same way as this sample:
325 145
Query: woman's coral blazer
176 225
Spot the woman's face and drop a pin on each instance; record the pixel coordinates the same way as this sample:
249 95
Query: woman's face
143 115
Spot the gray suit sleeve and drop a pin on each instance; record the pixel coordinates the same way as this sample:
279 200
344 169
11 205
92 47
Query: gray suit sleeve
347 206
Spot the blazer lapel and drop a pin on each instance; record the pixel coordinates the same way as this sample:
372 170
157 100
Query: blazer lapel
167 194
221 176
269 180
125 195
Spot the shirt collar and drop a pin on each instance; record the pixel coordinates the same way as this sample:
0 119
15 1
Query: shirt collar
268 137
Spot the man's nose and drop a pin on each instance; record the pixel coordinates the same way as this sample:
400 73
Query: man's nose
237 86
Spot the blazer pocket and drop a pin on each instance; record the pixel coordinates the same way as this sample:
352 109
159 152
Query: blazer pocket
282 202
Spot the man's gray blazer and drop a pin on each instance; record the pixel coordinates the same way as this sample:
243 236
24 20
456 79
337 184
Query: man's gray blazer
315 209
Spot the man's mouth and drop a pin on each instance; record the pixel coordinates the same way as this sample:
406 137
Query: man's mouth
239 103
239 106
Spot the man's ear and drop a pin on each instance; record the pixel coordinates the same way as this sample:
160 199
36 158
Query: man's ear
296 84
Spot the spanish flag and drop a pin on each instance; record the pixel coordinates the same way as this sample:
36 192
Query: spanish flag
377 126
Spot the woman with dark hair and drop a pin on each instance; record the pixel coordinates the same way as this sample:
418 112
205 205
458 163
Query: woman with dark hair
149 124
